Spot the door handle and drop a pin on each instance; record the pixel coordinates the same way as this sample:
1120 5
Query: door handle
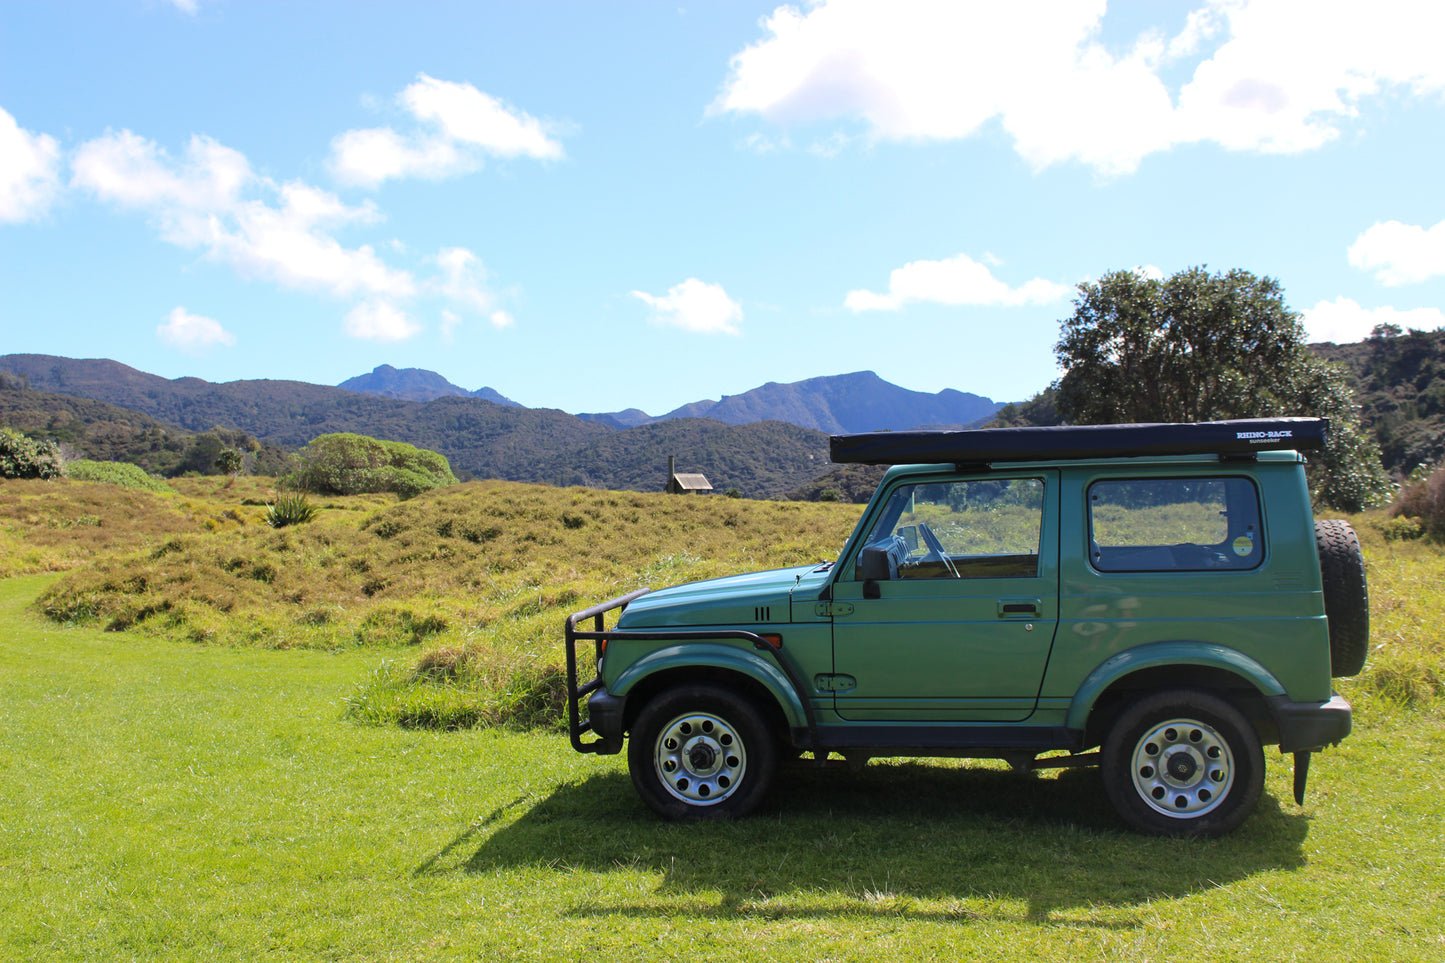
1019 608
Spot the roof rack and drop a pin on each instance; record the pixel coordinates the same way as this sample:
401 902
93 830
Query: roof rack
988 445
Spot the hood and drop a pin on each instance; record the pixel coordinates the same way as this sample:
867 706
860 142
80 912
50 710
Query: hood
755 598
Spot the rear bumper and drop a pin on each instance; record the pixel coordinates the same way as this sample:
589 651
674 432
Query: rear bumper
1310 726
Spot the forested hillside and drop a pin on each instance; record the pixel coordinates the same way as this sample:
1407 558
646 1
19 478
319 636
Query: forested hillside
1399 381
762 460
103 432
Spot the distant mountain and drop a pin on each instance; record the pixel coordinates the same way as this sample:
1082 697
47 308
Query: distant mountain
416 384
479 438
630 418
840 404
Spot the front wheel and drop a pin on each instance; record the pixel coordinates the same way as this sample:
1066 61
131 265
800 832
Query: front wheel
701 752
1183 763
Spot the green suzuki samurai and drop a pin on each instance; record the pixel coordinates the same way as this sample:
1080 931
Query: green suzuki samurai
1156 600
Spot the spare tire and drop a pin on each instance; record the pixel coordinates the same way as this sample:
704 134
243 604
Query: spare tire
1347 597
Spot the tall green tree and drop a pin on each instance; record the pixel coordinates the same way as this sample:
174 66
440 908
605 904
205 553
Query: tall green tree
1198 346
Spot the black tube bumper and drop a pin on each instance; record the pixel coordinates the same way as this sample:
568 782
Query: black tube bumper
1310 726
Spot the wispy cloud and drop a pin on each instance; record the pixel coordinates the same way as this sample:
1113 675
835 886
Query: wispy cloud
1268 75
380 320
456 126
210 199
29 171
193 333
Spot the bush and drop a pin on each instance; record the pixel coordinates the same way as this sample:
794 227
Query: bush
1423 499
349 464
22 457
119 473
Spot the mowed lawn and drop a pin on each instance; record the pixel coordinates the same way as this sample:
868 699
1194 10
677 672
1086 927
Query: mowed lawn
164 801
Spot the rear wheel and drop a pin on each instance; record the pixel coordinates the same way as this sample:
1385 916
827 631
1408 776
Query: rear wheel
701 752
1183 763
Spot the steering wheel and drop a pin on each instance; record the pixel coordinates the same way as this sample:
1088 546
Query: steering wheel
935 549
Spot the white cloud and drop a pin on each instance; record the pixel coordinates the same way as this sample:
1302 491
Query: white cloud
463 280
29 171
450 322
186 6
458 125
958 280
1400 253
1275 75
695 306
380 321
1343 321
501 319
210 199
193 333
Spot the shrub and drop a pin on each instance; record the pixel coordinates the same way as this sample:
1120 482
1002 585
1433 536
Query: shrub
291 508
229 461
349 464
119 473
22 457
1423 499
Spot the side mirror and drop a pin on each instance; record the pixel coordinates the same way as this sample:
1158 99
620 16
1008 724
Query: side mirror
873 564
909 534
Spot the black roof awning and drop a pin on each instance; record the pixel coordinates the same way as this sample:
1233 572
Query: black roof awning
987 445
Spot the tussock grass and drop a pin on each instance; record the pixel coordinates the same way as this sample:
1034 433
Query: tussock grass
55 525
1406 664
488 569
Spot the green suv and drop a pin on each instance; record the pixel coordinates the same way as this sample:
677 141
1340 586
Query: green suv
1154 600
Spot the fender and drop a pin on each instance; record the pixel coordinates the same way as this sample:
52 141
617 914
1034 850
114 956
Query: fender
1172 655
716 656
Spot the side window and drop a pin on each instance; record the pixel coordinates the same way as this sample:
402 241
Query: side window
966 529
1174 525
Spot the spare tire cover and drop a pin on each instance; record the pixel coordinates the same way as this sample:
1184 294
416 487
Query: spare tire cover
1347 597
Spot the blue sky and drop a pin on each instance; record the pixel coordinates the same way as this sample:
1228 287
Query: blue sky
593 206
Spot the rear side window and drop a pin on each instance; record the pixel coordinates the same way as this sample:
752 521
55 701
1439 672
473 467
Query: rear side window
1174 525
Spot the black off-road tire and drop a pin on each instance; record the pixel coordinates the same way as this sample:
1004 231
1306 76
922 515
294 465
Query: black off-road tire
701 752
1347 596
1183 763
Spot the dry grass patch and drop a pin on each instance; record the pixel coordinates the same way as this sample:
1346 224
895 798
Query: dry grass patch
484 563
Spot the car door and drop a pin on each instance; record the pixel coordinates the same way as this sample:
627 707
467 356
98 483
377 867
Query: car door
946 610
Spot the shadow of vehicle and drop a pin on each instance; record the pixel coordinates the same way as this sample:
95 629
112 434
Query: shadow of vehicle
867 840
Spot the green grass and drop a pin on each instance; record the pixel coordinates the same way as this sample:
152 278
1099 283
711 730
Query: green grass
169 801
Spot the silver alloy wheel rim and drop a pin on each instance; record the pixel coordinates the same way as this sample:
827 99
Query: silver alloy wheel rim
700 758
1182 768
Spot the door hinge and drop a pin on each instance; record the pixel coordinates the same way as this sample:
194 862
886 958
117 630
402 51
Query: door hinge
834 683
828 610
